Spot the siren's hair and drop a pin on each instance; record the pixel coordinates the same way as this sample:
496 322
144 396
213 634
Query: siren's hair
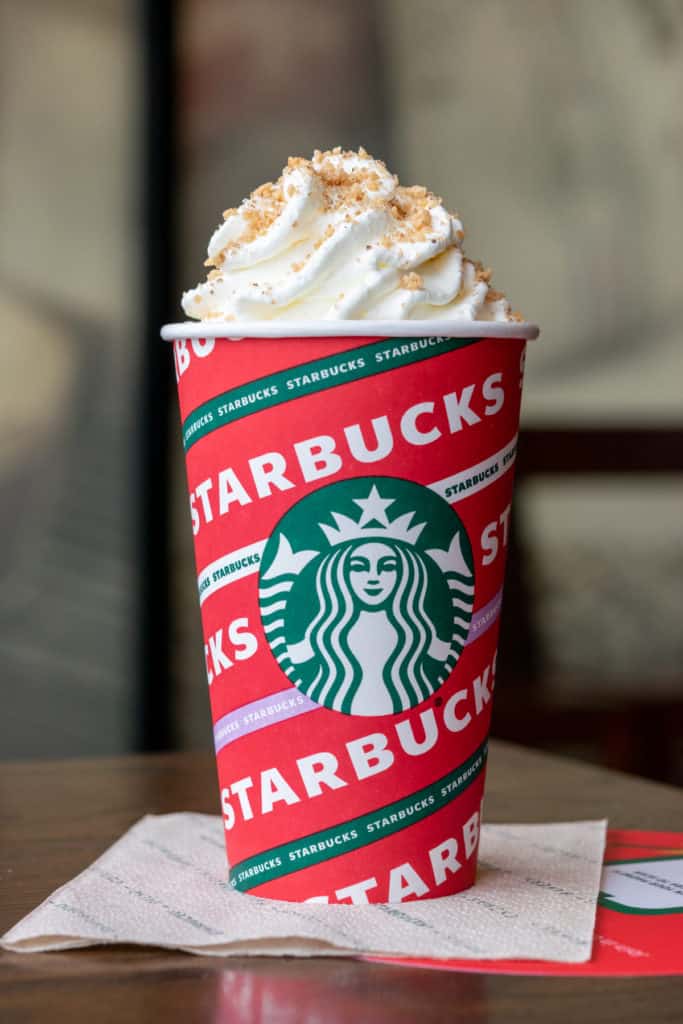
339 675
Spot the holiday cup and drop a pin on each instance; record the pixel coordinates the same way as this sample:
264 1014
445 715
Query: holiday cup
350 489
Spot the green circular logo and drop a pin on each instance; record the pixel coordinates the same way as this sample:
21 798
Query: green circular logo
366 590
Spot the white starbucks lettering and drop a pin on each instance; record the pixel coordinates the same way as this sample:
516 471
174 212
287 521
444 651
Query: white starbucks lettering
182 352
415 878
364 757
315 458
494 536
235 642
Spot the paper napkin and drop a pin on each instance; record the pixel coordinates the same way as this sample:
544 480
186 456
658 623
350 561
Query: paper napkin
164 883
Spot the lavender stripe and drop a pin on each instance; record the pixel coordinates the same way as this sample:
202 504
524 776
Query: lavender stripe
260 713
290 702
484 618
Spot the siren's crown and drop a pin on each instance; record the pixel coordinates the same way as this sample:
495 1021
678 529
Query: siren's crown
372 523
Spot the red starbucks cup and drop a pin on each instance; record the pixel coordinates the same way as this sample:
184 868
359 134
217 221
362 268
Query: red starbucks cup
350 497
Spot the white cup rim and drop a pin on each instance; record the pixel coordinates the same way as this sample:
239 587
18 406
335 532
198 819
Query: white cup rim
349 329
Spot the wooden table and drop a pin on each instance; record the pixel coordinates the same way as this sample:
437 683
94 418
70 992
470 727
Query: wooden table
55 818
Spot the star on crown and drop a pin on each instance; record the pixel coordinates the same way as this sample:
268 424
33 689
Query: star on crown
373 522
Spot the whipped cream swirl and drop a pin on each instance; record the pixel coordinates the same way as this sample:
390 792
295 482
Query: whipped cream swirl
337 238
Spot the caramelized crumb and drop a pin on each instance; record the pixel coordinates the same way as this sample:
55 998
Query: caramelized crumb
421 220
218 260
412 282
329 231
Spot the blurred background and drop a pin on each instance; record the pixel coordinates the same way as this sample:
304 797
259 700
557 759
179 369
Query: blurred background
553 127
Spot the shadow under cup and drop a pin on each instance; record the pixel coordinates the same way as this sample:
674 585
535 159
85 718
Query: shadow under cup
349 500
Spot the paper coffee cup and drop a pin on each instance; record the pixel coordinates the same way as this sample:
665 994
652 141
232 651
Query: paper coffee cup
350 489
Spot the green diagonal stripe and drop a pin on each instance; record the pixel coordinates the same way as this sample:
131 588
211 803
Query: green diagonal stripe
309 378
351 835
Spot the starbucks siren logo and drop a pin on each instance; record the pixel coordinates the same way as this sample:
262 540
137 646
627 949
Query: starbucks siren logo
367 611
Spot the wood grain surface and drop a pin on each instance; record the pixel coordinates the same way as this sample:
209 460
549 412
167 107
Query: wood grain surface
57 817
